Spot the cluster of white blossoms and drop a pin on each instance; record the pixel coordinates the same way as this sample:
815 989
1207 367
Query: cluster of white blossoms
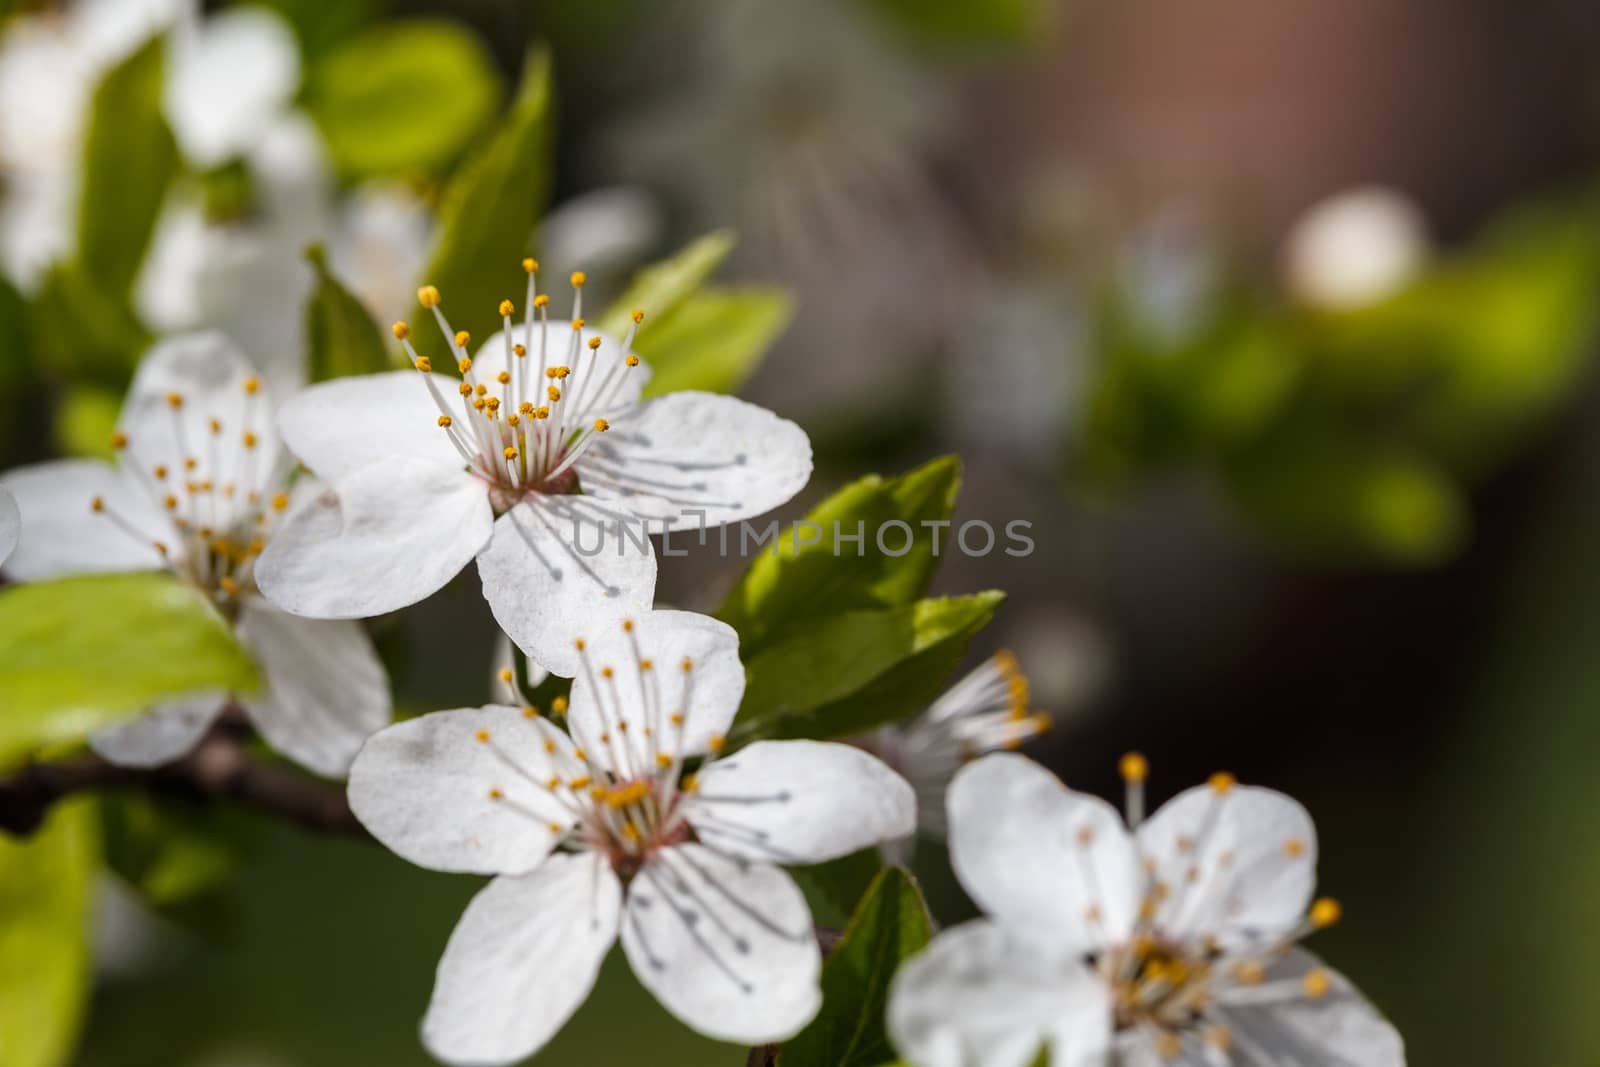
1172 940
540 461
200 488
596 831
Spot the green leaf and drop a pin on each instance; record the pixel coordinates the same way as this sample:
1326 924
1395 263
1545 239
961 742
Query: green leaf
402 97
129 160
171 851
796 585
976 22
661 287
713 340
859 669
78 653
341 338
890 924
490 209
86 420
83 330
834 888
46 898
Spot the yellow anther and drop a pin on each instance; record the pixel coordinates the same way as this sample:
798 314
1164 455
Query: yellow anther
559 705
464 389
229 586
562 372
637 315
1316 983
582 782
175 400
190 463
1219 1037
526 408
480 389
580 754
424 364
623 795
578 324
509 452
541 301
606 672
479 404
160 471
529 711
550 747
511 418
428 296
250 440
690 783
1294 848
602 425
580 644
1326 912
530 264
553 393
554 781
171 502
119 440
578 278
506 675
687 664
677 718
159 547
1168 1047
518 350
663 760
1250 972
252 385
550 372
506 308
280 502
504 377
493 402
716 742
632 361
401 331
594 343
1222 781
647 664
627 626
630 831
215 424
463 338
482 736
543 412
445 421
556 827
464 364
495 794
1085 836
97 504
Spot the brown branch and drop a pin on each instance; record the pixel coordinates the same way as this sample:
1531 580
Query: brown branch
219 767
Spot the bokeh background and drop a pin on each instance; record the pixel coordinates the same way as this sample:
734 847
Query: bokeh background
1275 320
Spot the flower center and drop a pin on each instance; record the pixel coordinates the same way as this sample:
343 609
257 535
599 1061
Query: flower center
523 427
221 497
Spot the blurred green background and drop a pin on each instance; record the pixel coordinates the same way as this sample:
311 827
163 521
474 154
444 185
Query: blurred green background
1315 490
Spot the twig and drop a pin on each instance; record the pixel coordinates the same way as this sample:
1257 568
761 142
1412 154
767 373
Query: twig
220 766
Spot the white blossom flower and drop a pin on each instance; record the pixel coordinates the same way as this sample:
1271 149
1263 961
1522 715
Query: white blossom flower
1171 941
596 833
200 488
227 76
1356 248
540 462
986 710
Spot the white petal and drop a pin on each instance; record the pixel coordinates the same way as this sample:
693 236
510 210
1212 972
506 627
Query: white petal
229 77
591 371
521 961
1340 1028
386 537
800 802
425 788
546 588
505 655
1038 856
164 733
984 996
698 459
10 522
60 534
1240 865
326 692
208 372
338 427
726 945
604 228
707 695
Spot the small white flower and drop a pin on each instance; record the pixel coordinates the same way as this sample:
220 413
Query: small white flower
539 461
228 77
1356 248
600 835
985 711
200 489
1173 942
